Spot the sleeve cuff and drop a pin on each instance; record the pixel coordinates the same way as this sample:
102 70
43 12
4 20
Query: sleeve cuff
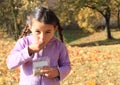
58 78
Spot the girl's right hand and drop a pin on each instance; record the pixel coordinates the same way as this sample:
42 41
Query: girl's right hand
35 47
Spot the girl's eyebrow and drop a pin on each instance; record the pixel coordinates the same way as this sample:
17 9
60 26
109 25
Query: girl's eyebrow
49 30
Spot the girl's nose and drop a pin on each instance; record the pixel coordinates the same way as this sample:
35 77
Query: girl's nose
42 37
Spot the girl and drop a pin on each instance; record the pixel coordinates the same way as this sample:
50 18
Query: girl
43 59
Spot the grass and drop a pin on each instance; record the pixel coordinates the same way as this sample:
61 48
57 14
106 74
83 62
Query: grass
97 65
78 38
71 35
95 59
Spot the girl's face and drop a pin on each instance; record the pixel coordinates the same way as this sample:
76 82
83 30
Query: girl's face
42 32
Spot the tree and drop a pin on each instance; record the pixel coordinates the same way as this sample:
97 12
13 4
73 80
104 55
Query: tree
67 10
104 7
13 15
87 20
72 7
118 12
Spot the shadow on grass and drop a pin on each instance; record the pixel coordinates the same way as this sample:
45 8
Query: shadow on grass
99 43
74 34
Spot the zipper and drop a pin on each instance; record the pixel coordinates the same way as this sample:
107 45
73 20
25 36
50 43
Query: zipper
41 77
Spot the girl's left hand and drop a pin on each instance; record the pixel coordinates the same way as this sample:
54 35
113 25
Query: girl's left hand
49 72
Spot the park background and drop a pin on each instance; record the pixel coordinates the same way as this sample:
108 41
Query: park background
91 33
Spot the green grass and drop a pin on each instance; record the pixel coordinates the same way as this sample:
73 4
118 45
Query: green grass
79 38
71 35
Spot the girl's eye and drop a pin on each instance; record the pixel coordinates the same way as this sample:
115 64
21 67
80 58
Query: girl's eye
48 32
37 32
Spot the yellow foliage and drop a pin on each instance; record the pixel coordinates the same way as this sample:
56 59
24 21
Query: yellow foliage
91 82
84 24
88 18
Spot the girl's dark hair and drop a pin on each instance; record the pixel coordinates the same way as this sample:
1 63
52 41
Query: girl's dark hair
46 16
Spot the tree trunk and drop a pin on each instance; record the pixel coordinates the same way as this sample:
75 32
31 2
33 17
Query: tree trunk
14 13
118 16
107 18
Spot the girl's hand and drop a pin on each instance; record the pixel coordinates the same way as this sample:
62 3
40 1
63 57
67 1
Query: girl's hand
35 47
49 72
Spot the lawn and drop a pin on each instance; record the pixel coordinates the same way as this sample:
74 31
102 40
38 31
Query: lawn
94 59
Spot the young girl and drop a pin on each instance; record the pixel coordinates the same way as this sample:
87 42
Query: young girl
43 59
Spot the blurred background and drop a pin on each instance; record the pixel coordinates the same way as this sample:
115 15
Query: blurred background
91 33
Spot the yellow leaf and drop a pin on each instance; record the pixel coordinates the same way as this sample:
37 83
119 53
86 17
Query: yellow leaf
91 82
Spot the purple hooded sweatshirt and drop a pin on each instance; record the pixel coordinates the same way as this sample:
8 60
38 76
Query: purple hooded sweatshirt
55 50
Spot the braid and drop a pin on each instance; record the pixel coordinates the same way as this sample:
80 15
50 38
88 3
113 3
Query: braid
24 31
60 29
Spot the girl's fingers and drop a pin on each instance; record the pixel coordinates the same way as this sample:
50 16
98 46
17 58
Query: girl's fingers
45 69
49 72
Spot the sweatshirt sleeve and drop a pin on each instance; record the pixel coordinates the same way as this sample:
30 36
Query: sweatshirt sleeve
19 55
64 63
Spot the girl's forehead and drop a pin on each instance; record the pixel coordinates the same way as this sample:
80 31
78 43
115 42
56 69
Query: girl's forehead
41 25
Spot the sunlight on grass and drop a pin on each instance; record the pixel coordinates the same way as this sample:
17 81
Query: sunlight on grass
97 39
